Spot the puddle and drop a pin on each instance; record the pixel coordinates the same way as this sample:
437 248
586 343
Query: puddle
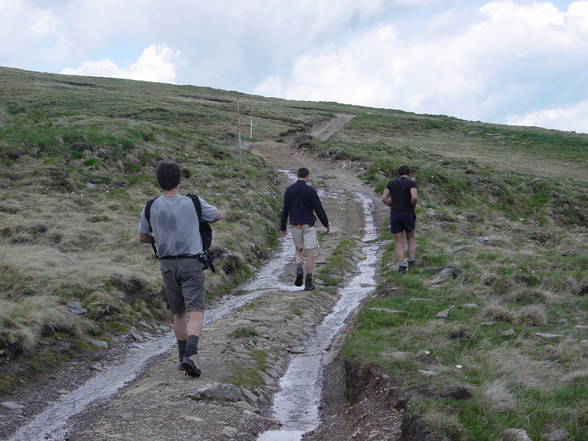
296 405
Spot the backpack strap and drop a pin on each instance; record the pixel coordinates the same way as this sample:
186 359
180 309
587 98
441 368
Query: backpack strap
148 217
197 205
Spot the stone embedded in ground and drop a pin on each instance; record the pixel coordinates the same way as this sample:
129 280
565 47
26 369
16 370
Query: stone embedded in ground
470 306
445 274
388 310
12 405
218 391
76 308
460 333
444 314
400 356
484 240
93 341
457 393
515 435
136 335
557 435
249 396
426 373
581 326
91 186
461 249
548 336
473 217
509 333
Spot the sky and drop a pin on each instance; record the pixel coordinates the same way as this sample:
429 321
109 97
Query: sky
515 62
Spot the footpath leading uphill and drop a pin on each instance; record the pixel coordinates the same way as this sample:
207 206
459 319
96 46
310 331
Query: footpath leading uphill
246 347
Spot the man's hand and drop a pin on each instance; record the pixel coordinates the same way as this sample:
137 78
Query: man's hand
145 238
328 230
284 233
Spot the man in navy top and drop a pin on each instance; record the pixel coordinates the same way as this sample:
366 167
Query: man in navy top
401 196
301 202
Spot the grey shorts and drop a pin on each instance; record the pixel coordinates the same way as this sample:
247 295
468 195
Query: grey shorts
184 284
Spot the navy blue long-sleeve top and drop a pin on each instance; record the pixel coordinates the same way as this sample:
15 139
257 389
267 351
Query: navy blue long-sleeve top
301 201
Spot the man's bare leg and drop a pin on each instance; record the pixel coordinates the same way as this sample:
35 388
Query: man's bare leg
309 260
194 325
411 239
399 249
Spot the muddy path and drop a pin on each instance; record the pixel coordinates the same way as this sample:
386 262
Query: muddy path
250 340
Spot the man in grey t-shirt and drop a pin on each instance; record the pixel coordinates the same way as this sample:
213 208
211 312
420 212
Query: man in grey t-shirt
174 227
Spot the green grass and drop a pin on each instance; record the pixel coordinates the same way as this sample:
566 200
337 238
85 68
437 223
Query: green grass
243 333
527 279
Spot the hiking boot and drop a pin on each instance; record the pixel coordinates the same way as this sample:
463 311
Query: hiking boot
402 267
191 365
299 277
410 261
308 285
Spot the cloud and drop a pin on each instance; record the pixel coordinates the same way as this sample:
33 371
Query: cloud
156 63
571 117
501 59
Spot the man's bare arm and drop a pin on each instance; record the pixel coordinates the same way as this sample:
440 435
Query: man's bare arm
413 196
386 197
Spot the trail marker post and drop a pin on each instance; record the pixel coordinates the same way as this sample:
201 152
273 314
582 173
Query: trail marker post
239 129
251 126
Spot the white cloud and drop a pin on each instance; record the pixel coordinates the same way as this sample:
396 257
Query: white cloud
505 55
573 117
156 63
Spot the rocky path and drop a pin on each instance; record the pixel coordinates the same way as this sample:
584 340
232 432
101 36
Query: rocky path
243 353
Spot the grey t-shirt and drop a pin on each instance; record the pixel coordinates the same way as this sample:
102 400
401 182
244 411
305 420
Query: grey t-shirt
174 222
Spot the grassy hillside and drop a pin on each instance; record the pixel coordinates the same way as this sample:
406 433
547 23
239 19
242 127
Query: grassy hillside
77 162
508 207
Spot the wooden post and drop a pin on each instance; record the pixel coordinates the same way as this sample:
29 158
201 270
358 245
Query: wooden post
251 126
239 129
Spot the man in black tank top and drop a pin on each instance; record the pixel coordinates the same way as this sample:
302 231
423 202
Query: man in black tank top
401 196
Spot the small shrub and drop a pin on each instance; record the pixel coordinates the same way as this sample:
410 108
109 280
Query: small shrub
532 315
503 285
525 296
498 313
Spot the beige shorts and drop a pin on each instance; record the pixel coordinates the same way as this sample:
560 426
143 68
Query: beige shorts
304 237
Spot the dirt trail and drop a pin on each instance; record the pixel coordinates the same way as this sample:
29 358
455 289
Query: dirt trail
155 405
328 128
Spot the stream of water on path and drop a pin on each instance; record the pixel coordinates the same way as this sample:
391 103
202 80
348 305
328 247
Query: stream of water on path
296 406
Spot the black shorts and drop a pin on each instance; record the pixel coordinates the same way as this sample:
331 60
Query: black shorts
401 221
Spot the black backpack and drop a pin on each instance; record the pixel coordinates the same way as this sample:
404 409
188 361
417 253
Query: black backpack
205 228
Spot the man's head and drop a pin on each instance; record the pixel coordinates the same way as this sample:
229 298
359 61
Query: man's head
302 173
168 175
403 170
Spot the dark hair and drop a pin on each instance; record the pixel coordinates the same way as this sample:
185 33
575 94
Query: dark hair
302 172
403 170
168 175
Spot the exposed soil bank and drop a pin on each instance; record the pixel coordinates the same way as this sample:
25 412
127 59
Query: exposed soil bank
360 402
